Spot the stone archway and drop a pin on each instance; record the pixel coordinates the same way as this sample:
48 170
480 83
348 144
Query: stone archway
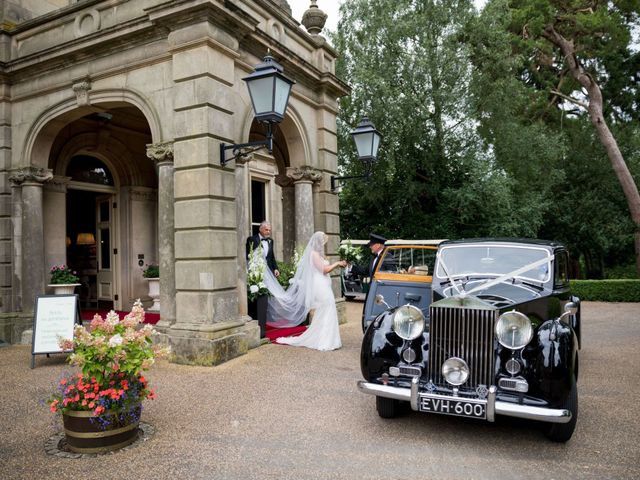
116 133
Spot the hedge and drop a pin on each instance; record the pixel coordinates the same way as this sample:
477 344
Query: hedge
622 290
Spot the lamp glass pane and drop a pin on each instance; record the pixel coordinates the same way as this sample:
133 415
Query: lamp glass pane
282 95
363 144
261 90
376 144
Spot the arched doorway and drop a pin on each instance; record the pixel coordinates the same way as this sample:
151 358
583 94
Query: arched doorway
91 237
102 222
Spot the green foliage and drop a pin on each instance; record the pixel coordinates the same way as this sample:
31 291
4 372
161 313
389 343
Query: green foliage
61 274
287 271
151 271
627 290
409 71
547 144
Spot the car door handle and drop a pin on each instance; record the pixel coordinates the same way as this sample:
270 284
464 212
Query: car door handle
412 297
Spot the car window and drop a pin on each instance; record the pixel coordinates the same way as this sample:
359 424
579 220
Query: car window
493 260
562 269
415 260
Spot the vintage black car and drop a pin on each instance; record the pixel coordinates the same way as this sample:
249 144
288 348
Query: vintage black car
500 337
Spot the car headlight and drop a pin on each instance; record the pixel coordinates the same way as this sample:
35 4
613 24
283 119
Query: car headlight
514 330
455 371
408 322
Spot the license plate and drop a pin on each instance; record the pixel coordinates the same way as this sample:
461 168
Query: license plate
453 406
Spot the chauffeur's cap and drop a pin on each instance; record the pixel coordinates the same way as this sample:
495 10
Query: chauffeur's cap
374 238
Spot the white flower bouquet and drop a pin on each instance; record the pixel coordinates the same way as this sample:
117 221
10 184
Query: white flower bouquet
350 253
255 274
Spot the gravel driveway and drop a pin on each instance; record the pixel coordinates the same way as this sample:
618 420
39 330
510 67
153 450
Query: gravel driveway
282 412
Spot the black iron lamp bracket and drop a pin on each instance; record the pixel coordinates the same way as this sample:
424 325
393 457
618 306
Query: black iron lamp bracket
242 149
334 180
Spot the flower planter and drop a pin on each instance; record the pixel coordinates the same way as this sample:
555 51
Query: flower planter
110 431
63 288
154 293
258 311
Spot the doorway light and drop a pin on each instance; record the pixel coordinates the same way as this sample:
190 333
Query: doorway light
86 239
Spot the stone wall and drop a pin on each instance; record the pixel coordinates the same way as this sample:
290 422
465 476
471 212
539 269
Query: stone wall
179 66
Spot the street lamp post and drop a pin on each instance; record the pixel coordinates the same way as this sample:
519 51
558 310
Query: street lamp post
367 140
269 90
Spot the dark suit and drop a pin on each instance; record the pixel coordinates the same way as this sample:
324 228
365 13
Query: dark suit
367 270
252 244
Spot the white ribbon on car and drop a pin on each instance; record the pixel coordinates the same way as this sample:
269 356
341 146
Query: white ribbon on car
495 281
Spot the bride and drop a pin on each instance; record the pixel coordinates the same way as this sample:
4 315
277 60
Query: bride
310 289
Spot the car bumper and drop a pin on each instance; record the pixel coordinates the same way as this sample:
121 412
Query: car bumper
494 407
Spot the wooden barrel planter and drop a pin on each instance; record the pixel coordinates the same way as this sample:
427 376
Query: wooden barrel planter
110 431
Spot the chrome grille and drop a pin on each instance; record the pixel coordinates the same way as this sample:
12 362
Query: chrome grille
465 333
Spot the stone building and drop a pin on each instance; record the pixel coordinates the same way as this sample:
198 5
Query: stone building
112 113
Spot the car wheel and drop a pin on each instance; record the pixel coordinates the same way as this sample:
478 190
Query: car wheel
562 432
388 407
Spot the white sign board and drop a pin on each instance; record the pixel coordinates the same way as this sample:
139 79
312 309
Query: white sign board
54 318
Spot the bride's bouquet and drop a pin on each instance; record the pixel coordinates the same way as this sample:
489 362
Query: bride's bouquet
255 274
350 253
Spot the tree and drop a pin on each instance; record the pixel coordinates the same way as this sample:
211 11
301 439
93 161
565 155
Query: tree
410 73
569 45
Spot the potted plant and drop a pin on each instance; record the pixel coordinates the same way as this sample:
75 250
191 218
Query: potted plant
63 280
257 290
152 274
101 406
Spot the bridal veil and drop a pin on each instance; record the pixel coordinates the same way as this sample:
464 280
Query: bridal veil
288 308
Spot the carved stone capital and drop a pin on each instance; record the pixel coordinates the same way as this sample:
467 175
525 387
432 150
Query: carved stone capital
284 181
19 176
160 152
308 174
81 89
58 183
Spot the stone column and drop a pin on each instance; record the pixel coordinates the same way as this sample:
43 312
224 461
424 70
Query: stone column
242 222
303 180
162 154
16 223
207 104
55 221
288 216
33 271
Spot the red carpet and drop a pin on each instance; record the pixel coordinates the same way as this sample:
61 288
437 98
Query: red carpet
273 333
151 318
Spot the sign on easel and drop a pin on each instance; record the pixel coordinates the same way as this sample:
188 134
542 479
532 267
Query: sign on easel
54 318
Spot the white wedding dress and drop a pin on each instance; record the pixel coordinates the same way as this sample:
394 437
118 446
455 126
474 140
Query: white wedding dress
310 290
323 333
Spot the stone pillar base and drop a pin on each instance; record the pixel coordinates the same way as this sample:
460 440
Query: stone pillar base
210 345
13 326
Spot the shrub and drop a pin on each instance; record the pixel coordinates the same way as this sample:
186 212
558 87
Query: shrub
619 290
151 271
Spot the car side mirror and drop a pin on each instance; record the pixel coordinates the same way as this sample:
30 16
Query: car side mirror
570 309
379 300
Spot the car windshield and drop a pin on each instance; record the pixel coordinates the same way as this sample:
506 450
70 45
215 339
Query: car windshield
492 260
415 260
